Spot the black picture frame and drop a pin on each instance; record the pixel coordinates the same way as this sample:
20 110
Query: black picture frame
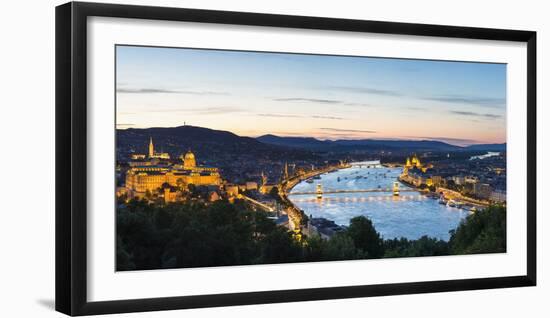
71 157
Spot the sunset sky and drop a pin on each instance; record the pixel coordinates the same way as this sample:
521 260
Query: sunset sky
327 97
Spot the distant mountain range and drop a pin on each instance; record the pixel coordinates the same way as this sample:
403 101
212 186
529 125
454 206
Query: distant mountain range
488 147
373 144
212 144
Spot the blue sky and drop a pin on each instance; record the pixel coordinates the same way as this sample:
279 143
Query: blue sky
327 97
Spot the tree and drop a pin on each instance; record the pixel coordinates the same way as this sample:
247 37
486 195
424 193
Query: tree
342 247
192 190
365 237
180 184
481 232
274 193
148 194
123 258
279 247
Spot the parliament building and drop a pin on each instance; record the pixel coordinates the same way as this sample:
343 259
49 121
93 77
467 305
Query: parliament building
152 177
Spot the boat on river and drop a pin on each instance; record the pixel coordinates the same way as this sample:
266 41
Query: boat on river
451 203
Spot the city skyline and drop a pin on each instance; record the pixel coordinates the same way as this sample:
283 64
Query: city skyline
326 97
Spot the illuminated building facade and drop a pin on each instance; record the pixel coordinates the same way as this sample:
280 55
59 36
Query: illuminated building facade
157 155
414 162
414 172
152 177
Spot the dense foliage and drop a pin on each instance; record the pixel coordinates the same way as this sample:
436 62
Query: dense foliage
200 235
482 232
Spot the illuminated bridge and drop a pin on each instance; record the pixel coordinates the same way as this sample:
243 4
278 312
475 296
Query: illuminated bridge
375 198
319 190
351 191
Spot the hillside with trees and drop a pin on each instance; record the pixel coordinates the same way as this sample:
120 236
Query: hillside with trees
199 235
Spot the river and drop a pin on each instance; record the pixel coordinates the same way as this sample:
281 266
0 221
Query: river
489 154
409 215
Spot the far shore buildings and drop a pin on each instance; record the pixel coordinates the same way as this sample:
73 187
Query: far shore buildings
414 172
420 175
148 174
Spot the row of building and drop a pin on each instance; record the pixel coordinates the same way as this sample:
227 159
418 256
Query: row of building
420 175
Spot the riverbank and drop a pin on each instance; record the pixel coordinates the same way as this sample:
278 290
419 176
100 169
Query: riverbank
292 182
294 213
450 197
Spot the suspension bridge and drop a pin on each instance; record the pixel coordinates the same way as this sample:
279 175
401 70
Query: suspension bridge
349 191
319 192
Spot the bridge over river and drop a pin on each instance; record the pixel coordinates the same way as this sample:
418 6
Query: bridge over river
351 191
319 190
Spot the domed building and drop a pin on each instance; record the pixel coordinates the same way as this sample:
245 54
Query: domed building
413 161
189 161
414 172
140 179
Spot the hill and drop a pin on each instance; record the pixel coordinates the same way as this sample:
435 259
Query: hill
240 158
208 144
359 144
487 147
297 142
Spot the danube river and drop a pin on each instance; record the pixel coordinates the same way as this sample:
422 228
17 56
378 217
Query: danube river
409 215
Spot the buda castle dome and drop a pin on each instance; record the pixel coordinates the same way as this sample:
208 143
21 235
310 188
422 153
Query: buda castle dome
189 160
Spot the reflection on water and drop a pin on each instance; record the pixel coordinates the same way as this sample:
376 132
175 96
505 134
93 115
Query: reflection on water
409 215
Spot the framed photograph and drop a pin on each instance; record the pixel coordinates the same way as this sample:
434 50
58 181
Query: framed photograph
210 158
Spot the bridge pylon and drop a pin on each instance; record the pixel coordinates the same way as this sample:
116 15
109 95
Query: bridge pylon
396 188
319 191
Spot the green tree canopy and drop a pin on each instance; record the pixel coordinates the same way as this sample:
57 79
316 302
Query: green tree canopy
481 232
365 237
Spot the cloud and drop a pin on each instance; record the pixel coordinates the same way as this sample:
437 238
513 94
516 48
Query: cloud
311 100
451 140
366 90
321 101
215 110
327 117
415 108
145 91
478 115
199 110
358 104
281 115
165 91
469 100
348 130
300 116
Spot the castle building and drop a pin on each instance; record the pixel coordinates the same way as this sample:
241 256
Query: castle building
138 156
151 148
189 161
157 155
150 177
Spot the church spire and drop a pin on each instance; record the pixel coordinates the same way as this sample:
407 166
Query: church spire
151 148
